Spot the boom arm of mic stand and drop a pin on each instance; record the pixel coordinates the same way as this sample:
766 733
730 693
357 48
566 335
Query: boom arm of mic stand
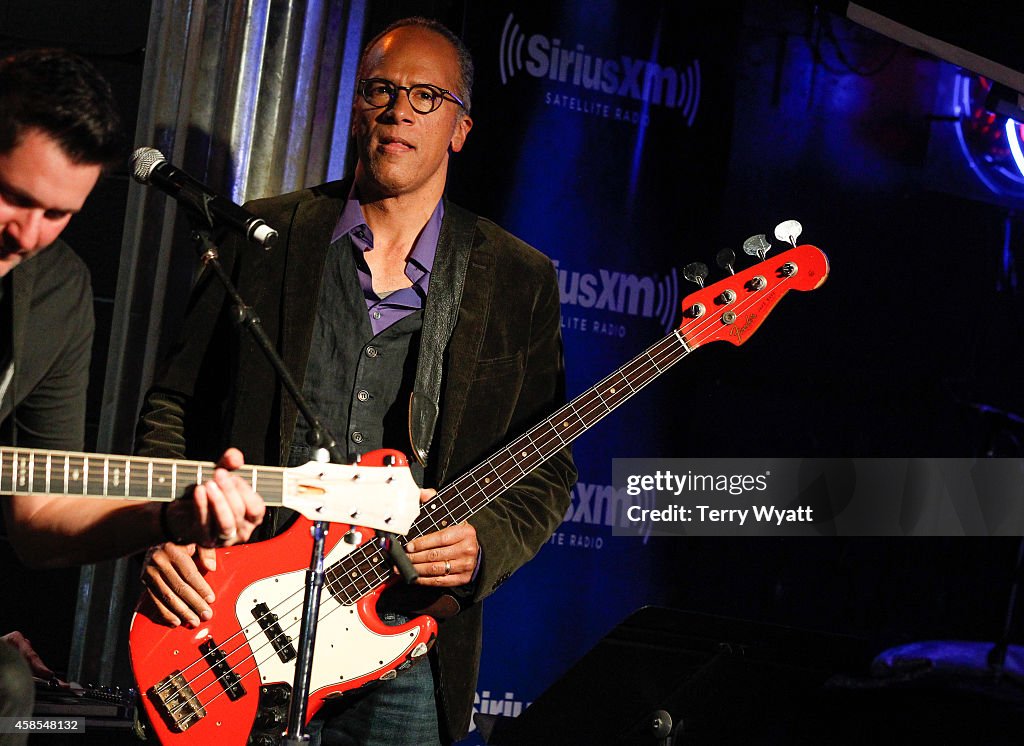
245 316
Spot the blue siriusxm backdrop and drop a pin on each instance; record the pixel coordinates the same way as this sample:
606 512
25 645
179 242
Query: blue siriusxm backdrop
602 140
627 140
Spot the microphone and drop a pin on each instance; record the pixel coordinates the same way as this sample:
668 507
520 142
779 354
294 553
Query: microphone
151 168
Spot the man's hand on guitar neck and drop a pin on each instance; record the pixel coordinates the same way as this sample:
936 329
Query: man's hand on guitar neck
46 533
447 558
217 513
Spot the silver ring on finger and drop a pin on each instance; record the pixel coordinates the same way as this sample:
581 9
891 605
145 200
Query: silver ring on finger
447 567
228 536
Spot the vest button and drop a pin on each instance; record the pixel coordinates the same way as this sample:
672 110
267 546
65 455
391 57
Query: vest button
362 395
357 437
371 351
376 315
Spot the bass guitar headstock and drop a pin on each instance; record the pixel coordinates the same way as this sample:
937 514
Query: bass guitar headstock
733 308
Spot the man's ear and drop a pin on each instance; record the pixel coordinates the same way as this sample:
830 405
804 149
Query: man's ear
462 128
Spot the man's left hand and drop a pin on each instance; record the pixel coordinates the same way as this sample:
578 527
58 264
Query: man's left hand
445 558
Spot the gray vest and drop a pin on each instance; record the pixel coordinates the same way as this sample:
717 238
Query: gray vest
357 382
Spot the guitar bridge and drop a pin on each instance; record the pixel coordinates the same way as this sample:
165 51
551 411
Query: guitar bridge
176 701
268 623
226 677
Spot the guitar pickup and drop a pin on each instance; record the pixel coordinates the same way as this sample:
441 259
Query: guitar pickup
226 677
176 701
268 623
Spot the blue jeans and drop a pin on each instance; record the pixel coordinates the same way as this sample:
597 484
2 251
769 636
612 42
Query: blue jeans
400 712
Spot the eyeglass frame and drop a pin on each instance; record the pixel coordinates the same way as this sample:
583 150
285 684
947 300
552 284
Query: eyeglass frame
361 89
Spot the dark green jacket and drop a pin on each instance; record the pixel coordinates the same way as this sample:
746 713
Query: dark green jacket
490 365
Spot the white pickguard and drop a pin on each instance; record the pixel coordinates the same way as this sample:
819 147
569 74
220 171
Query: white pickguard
345 647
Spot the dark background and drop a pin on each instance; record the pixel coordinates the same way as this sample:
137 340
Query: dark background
917 326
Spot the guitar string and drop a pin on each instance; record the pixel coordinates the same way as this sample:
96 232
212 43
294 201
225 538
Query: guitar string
643 375
234 667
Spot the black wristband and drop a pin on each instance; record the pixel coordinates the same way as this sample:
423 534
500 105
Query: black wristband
165 526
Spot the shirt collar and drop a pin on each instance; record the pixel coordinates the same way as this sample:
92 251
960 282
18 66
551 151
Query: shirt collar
353 223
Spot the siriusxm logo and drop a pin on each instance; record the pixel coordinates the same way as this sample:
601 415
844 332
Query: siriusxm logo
487 704
619 292
636 79
600 505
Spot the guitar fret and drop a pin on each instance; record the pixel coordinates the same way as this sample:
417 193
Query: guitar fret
575 409
174 481
600 398
49 458
96 483
554 431
483 486
648 354
466 503
106 477
67 464
463 510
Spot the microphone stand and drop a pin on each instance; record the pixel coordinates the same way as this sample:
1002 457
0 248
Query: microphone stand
325 448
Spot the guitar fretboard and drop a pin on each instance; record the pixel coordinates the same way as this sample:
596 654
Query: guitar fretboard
62 473
364 569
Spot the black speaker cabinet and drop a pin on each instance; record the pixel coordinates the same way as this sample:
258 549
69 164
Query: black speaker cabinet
664 676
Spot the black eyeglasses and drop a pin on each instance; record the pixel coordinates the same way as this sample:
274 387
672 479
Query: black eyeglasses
423 97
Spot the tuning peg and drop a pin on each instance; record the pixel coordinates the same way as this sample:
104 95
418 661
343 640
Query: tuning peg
789 230
696 272
725 259
757 246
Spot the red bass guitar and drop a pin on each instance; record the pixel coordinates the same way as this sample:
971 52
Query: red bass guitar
228 681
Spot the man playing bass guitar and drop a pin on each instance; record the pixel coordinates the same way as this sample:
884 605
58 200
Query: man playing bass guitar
411 324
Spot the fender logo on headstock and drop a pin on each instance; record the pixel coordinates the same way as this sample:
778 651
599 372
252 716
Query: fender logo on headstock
737 331
753 317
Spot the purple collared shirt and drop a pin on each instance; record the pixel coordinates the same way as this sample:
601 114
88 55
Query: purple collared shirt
386 311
